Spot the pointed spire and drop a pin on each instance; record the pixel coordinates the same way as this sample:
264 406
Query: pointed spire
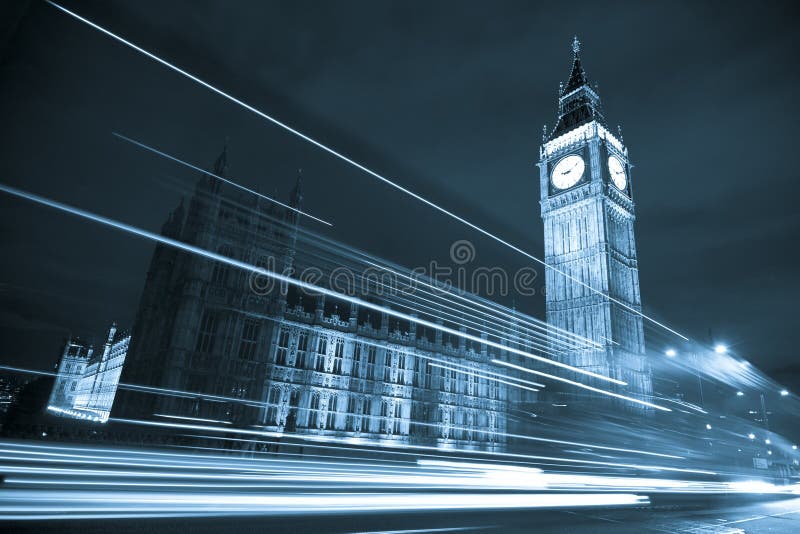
221 164
578 103
296 196
577 77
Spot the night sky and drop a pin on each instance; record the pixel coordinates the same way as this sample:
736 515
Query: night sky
447 98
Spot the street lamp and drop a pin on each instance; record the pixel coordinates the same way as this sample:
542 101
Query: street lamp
767 441
751 435
740 393
671 353
794 447
769 452
720 349
708 427
784 393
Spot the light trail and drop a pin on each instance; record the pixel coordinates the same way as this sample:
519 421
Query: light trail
355 164
584 386
459 318
234 184
512 318
402 349
198 419
462 371
144 504
57 482
490 373
323 439
291 281
496 313
337 443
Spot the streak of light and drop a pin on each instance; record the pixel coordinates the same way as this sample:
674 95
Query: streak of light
142 504
584 386
292 281
462 371
198 419
358 165
366 442
493 311
490 373
403 445
243 188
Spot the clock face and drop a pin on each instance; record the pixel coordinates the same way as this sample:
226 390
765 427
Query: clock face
617 171
567 172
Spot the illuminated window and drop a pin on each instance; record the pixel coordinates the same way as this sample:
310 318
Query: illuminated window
302 349
331 419
313 412
283 347
322 350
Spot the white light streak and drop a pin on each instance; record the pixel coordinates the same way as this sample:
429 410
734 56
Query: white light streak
462 371
192 418
324 439
584 386
243 188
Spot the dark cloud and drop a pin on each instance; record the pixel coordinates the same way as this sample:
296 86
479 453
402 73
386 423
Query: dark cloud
448 98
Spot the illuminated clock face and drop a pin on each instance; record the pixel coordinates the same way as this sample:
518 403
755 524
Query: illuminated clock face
617 171
567 172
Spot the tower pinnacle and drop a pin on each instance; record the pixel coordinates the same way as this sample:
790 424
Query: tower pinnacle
578 103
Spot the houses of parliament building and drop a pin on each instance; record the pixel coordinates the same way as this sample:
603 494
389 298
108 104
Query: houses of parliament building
286 362
206 347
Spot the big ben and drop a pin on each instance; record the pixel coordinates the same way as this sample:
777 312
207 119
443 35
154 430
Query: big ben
588 213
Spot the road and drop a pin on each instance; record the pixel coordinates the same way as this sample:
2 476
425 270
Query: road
88 488
781 516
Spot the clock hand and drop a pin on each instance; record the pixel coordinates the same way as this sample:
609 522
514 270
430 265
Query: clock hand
569 171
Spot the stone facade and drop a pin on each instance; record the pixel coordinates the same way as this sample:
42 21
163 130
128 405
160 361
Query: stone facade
283 361
86 381
74 359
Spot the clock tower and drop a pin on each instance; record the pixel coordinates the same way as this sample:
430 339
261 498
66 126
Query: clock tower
588 213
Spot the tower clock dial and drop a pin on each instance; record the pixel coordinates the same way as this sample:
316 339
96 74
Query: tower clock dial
567 172
617 171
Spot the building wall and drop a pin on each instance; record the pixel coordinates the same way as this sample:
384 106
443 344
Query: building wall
98 386
69 372
86 381
306 366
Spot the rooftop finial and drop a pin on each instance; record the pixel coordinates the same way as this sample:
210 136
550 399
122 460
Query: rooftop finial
576 45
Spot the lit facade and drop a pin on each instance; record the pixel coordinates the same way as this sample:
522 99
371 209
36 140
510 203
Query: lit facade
86 382
588 213
74 360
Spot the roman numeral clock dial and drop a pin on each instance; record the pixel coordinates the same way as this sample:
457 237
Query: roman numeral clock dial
567 172
617 171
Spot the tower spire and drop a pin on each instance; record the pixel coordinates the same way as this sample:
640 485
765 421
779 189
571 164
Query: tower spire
578 102
221 164
296 196
577 77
